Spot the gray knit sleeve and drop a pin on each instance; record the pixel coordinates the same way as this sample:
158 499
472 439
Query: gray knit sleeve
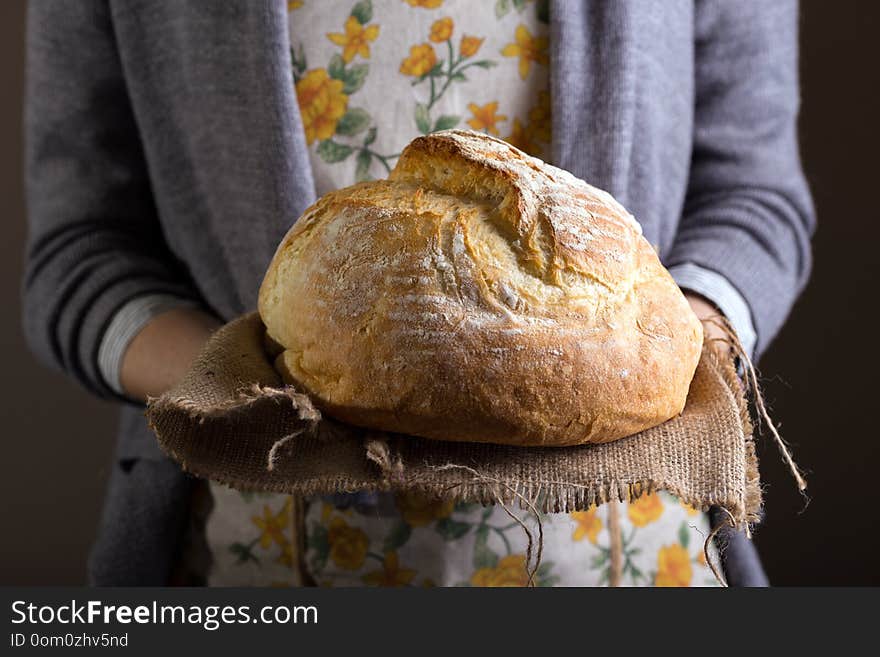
94 237
748 215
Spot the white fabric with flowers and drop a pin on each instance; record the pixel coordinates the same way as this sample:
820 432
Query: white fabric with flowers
370 77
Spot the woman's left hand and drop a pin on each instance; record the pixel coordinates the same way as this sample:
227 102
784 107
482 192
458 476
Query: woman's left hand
705 310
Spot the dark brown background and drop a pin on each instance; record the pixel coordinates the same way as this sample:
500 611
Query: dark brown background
820 375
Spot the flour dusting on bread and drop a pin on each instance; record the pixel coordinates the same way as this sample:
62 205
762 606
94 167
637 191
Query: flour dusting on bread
480 294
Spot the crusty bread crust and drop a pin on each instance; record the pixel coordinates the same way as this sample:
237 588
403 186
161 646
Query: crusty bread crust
480 294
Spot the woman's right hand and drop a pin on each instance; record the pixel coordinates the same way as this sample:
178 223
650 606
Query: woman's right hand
162 352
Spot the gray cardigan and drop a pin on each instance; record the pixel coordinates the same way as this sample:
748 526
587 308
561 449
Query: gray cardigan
165 156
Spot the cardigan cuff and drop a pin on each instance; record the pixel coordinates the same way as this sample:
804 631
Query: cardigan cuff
717 289
126 323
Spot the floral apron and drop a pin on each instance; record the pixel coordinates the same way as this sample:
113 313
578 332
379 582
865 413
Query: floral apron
370 77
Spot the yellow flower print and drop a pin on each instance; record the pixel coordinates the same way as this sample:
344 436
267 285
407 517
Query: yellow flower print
321 104
588 524
391 574
690 510
485 117
294 4
528 48
510 571
645 510
673 566
326 511
441 30
272 525
519 138
421 60
348 545
286 556
540 116
427 4
419 511
356 40
470 45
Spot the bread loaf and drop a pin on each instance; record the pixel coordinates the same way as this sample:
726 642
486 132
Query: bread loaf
479 294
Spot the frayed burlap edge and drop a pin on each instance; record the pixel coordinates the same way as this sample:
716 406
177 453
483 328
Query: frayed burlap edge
546 495
564 496
753 495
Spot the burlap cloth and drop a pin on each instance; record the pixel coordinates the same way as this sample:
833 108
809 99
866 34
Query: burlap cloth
232 420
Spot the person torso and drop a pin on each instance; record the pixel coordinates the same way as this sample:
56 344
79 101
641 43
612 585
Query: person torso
231 170
369 77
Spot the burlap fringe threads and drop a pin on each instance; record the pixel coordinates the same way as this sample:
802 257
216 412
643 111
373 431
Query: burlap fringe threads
752 385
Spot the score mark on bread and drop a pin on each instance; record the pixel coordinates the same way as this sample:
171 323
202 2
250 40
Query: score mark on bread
480 294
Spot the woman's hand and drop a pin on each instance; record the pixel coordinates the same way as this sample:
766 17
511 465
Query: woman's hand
159 356
705 310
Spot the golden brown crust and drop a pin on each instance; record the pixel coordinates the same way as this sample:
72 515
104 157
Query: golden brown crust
480 294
